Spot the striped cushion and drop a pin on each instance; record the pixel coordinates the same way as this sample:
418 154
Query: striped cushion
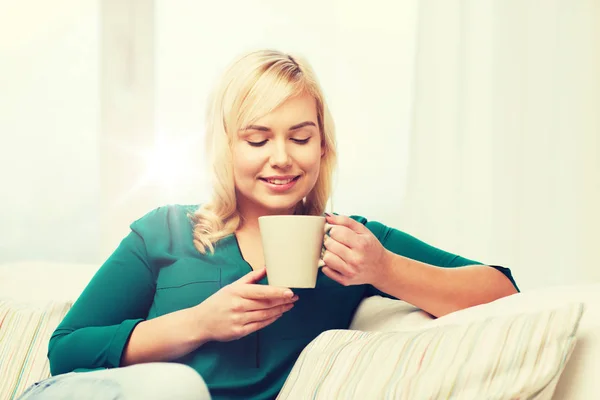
25 330
506 357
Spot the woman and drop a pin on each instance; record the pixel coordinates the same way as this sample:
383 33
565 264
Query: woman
188 286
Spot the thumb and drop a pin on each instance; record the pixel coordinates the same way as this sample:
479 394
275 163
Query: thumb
254 276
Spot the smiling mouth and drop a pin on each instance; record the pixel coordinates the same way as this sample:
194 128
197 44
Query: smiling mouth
274 181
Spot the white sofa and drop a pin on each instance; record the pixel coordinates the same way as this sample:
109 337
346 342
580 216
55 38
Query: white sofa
37 282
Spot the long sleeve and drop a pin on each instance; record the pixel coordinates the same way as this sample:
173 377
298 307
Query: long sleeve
95 331
408 246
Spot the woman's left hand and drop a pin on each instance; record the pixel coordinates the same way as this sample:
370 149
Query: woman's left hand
353 255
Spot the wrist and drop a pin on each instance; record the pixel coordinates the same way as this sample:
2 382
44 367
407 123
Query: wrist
198 330
391 267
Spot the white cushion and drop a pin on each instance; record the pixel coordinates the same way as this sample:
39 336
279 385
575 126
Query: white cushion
503 357
25 330
378 313
580 378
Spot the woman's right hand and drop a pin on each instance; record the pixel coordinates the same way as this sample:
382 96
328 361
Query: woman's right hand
243 307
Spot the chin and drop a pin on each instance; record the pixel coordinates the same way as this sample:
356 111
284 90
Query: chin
280 208
279 205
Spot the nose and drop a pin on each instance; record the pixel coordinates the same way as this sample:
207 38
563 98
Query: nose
280 158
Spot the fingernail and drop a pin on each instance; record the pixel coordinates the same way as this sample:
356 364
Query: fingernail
295 298
288 293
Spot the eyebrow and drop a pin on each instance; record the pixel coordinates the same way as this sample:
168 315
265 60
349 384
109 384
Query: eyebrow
292 128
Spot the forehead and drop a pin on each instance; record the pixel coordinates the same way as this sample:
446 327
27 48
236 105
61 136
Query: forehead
291 112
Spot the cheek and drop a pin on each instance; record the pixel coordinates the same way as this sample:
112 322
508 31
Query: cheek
311 162
244 165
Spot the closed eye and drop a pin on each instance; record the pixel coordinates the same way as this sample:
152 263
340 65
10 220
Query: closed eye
301 141
257 144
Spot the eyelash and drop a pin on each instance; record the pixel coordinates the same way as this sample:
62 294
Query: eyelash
257 144
260 144
301 141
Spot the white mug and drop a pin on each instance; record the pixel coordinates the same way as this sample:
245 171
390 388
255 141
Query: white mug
292 248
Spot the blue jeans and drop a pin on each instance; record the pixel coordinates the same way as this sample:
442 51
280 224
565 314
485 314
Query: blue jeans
152 381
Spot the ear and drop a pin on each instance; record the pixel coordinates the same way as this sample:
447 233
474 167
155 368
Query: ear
323 148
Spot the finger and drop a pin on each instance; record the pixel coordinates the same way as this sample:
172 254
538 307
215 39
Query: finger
255 326
344 235
266 314
336 276
347 222
333 261
252 305
337 248
254 276
265 292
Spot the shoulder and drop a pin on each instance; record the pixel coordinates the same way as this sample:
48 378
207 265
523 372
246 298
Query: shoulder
164 225
165 216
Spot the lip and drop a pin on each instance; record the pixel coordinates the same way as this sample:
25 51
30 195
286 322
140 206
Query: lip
281 177
280 188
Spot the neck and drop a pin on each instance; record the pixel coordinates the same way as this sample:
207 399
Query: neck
250 215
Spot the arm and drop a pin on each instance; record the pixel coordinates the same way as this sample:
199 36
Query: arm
398 265
96 329
439 290
165 338
236 310
434 280
106 327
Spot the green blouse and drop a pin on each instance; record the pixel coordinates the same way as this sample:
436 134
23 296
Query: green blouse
157 270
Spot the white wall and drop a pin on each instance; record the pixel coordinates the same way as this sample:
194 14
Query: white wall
48 130
505 156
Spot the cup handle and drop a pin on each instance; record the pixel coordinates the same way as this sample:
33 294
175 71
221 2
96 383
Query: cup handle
326 230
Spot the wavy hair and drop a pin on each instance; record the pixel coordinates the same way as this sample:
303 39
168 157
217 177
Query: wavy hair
253 86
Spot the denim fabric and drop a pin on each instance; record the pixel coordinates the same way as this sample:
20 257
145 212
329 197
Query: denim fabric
74 386
150 381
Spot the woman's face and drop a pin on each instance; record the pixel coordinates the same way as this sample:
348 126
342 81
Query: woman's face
276 160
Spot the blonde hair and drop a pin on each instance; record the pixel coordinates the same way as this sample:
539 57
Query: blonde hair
253 86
